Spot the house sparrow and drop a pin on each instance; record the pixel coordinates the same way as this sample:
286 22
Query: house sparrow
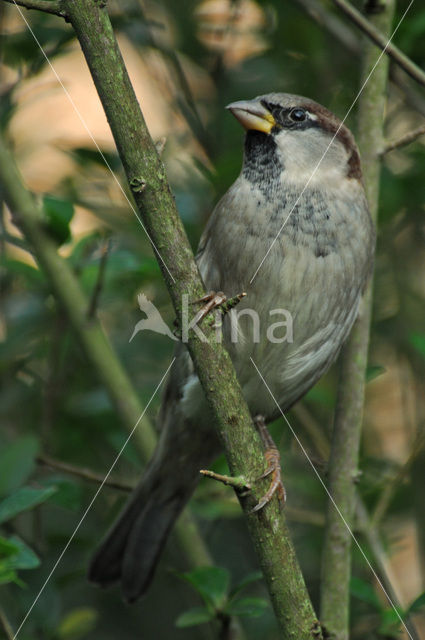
294 233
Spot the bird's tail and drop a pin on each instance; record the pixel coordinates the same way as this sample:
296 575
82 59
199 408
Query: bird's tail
131 549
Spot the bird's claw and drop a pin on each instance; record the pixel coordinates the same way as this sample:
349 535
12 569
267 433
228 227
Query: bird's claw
215 300
272 456
211 301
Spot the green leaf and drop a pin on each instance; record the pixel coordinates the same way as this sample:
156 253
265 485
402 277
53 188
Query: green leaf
17 463
7 548
192 617
77 623
14 555
417 604
22 500
365 592
255 576
7 576
247 607
390 622
68 493
211 582
417 340
24 557
26 272
58 215
373 371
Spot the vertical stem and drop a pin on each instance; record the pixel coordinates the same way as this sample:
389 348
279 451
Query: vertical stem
343 464
9 633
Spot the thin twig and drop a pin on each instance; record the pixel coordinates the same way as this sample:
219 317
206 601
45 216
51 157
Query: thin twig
10 635
86 474
393 484
313 429
15 241
332 23
409 93
386 572
382 41
48 6
193 118
343 34
104 253
404 140
238 482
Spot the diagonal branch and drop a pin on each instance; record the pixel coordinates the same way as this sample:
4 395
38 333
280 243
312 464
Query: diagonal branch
85 474
344 35
408 138
47 6
241 441
381 41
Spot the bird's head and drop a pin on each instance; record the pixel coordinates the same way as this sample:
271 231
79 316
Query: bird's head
297 135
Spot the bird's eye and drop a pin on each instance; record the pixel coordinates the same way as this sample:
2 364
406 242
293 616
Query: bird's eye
297 115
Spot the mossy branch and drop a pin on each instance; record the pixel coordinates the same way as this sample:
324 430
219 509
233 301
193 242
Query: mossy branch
343 464
47 6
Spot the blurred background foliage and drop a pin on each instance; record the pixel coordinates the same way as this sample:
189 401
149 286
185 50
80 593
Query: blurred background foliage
187 60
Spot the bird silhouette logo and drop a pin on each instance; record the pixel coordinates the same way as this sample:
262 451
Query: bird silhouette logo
153 320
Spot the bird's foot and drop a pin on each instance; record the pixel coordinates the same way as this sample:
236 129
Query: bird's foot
272 457
216 300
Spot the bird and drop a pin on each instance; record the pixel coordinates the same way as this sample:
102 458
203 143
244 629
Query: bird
294 233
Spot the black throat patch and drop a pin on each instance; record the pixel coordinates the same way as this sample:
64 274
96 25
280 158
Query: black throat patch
262 166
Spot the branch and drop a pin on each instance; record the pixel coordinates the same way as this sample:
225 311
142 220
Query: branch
364 523
404 140
343 463
10 634
239 484
48 6
381 40
394 483
334 25
85 474
385 569
212 363
409 94
190 110
94 300
338 30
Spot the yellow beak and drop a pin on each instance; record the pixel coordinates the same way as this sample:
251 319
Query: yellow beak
252 115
